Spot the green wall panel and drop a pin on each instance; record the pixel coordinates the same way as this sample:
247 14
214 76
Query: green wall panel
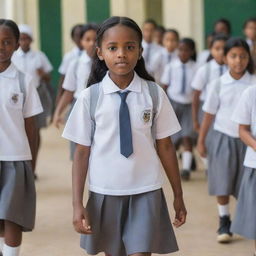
50 33
97 10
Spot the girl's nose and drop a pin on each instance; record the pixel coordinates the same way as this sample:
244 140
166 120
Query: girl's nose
121 53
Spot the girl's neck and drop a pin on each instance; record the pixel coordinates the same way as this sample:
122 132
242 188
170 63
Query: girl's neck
220 63
122 81
4 65
236 76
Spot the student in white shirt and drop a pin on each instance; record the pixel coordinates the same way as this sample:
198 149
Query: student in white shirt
124 167
77 76
245 115
19 102
222 26
37 65
211 70
159 35
168 54
227 151
150 48
177 78
69 56
204 55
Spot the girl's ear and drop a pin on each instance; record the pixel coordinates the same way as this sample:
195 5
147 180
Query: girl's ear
99 54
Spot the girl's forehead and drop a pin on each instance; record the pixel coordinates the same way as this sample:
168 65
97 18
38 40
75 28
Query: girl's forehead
238 49
119 33
5 30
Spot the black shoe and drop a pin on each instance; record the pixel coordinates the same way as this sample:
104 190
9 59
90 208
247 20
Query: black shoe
224 234
193 164
185 175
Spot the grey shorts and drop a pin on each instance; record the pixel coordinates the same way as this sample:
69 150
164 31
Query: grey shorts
17 193
124 225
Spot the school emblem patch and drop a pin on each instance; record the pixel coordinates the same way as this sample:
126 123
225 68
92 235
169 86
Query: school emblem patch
15 98
146 115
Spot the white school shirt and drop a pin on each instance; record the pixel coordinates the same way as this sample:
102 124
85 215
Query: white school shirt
149 51
245 113
204 75
223 98
77 74
14 144
30 61
68 57
110 172
172 77
202 57
161 59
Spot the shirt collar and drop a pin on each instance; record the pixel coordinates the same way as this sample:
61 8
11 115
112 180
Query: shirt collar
110 87
228 79
20 52
10 72
85 57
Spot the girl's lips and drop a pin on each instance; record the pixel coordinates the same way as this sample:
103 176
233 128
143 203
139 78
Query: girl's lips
122 64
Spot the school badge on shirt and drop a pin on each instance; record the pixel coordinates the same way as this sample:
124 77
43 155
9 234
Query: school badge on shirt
15 98
146 115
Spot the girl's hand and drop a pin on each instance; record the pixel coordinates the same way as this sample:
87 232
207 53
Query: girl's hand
196 126
57 120
181 212
201 148
81 221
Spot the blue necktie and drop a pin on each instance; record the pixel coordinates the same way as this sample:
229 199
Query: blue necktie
221 70
126 148
183 82
169 58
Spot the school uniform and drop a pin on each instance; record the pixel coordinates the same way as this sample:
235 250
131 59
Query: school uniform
125 193
68 57
149 51
245 221
202 57
17 198
227 150
161 59
204 75
75 81
178 77
29 62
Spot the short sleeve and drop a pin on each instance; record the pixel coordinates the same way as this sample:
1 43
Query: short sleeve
166 122
79 124
199 81
165 79
212 100
46 65
69 82
64 64
242 112
32 105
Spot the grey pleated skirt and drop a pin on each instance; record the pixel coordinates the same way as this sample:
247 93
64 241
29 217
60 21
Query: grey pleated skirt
225 164
244 222
46 101
17 193
124 225
184 115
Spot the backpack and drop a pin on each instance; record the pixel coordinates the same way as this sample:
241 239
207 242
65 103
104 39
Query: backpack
94 96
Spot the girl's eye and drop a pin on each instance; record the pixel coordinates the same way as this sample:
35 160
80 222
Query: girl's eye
130 47
6 42
112 48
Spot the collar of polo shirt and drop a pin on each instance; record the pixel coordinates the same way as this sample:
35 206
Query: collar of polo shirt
110 87
228 79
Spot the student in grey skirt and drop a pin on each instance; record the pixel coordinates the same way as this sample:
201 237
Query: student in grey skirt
245 115
177 78
19 102
227 151
126 213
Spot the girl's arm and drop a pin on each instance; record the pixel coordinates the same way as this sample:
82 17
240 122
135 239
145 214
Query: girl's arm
195 109
246 136
46 77
167 155
60 90
65 99
207 121
79 171
32 136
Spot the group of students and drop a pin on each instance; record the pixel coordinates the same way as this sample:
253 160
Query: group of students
124 129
